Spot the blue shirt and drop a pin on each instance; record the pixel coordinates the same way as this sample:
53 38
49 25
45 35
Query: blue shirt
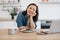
22 20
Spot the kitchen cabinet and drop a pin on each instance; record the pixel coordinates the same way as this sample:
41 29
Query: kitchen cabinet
10 4
8 24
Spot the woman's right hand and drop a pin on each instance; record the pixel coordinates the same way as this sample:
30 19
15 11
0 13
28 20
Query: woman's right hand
23 27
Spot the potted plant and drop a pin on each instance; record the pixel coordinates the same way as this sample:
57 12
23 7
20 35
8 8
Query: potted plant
13 13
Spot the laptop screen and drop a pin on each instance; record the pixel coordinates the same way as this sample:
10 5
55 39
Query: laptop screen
46 25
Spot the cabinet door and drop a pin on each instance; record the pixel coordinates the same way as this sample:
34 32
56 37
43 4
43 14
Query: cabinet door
1 25
8 25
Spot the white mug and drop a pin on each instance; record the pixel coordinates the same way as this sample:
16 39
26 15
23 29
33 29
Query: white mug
11 31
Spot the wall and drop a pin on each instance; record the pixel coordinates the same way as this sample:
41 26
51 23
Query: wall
46 11
49 11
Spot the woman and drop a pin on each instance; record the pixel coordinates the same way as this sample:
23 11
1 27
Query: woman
28 18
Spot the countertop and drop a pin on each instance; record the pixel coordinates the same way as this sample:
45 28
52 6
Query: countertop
27 36
6 19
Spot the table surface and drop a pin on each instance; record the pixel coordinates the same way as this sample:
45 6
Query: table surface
27 36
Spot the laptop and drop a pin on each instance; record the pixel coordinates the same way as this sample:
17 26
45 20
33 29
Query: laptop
55 27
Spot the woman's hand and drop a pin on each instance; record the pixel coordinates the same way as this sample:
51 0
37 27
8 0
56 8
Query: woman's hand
22 27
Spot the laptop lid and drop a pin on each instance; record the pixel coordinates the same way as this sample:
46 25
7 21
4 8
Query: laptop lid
55 26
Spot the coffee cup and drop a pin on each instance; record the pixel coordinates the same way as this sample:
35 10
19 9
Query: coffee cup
11 31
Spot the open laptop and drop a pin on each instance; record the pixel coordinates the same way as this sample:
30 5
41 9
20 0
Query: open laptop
55 27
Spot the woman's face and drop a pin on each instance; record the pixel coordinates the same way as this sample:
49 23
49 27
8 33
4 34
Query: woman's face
31 10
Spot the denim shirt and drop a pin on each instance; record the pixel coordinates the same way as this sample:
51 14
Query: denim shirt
22 20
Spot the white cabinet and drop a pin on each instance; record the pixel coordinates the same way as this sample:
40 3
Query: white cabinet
10 4
8 25
9 1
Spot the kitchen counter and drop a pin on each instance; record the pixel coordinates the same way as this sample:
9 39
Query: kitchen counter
6 19
27 36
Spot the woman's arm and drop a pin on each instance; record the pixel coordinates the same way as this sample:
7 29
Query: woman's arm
20 21
32 25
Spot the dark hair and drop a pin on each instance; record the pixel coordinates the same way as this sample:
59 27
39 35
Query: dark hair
35 18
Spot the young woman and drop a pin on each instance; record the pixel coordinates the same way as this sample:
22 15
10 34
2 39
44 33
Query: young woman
28 18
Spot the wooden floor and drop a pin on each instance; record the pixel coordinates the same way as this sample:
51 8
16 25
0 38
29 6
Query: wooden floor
27 36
